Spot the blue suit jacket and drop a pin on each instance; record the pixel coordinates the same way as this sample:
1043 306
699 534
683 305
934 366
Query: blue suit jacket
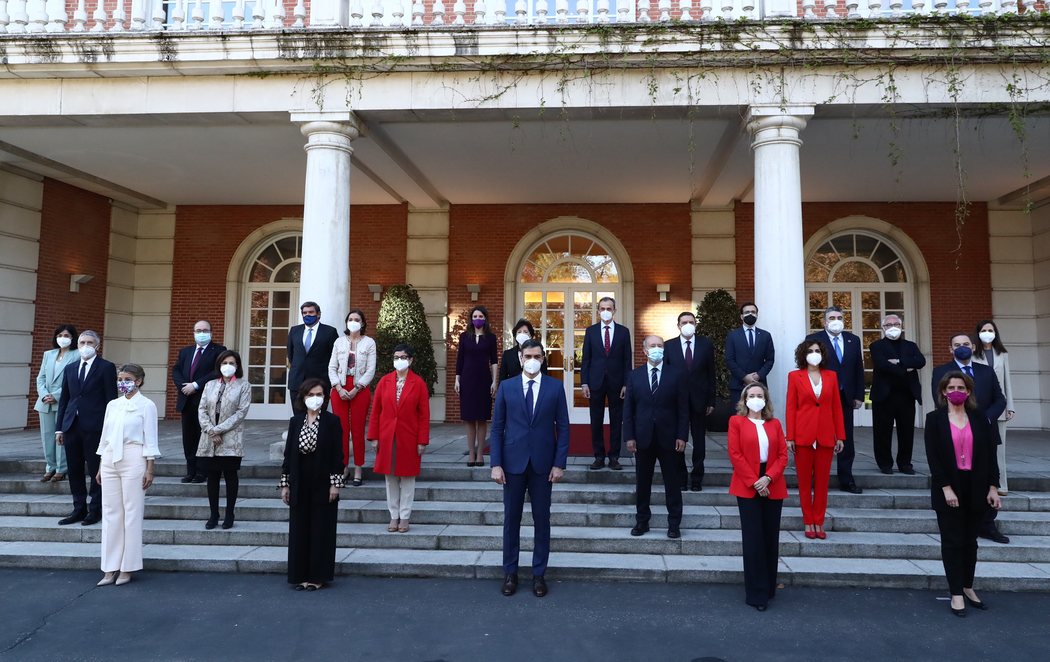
990 399
515 441
597 369
742 360
660 417
851 370
87 402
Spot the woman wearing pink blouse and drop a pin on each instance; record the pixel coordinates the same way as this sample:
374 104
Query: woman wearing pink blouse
964 479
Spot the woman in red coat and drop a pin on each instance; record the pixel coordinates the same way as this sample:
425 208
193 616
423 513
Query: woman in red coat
759 456
815 431
399 430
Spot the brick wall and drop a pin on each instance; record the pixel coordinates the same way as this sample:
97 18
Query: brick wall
657 237
74 239
378 239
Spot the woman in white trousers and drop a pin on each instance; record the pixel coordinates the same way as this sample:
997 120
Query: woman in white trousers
128 448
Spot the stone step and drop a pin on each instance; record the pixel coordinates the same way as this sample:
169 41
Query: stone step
564 566
695 542
562 514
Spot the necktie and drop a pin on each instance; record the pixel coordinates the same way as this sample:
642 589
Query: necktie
608 341
83 371
530 399
309 339
655 383
968 369
196 360
689 354
838 348
750 339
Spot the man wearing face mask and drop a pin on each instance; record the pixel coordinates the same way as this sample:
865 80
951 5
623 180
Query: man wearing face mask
846 358
309 349
194 367
656 425
695 355
895 390
990 401
87 387
607 356
749 352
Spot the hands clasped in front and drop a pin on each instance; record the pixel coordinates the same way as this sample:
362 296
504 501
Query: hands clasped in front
556 474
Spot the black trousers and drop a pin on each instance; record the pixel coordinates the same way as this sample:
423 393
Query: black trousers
191 433
597 406
698 430
645 465
845 458
760 533
899 409
82 451
959 527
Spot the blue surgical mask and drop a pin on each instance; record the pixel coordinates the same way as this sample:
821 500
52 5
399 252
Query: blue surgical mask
656 354
963 353
310 320
202 338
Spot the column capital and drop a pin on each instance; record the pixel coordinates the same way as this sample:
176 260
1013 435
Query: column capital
328 129
777 124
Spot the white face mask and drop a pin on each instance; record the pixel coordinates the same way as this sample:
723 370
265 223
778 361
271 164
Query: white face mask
521 338
400 365
893 332
987 336
63 341
836 326
314 402
756 404
228 370
87 352
814 358
606 315
353 326
532 366
688 330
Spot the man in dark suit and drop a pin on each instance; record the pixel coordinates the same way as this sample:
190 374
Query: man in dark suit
656 424
607 354
309 349
749 353
87 387
895 389
846 357
694 355
194 367
990 401
529 446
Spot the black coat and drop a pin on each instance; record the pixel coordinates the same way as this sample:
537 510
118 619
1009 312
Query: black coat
86 402
940 454
700 378
990 399
302 364
741 360
598 369
656 418
206 371
885 374
851 370
510 364
329 451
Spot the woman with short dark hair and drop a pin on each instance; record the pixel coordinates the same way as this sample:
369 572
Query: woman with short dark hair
224 405
510 363
49 390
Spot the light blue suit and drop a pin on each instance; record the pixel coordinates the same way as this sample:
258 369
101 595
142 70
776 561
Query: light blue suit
49 382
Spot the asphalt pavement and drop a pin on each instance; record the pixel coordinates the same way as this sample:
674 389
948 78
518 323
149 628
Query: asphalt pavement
61 615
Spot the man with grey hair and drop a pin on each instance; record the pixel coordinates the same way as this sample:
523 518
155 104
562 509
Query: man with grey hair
87 387
894 391
194 367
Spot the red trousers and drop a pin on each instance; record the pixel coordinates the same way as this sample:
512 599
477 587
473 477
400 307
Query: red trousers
353 414
814 468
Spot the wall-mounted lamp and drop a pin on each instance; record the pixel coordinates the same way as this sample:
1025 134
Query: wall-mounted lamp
664 291
76 280
474 290
376 290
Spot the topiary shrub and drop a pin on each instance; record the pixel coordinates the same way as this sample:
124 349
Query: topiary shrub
716 316
402 319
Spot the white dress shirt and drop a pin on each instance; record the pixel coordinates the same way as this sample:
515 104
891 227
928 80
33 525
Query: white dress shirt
535 388
612 331
763 438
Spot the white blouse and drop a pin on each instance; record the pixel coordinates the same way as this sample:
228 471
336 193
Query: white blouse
818 387
130 421
763 438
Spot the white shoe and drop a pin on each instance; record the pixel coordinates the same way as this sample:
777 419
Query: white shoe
108 579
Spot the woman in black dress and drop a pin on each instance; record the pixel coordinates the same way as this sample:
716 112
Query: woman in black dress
311 477
476 381
510 364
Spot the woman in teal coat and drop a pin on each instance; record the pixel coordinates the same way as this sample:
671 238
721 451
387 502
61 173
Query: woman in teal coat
49 389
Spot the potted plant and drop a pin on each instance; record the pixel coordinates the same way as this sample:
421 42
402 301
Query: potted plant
716 316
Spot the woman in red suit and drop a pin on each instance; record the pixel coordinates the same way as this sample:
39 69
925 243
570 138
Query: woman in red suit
759 456
815 431
399 430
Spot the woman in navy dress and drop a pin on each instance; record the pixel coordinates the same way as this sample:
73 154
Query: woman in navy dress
477 363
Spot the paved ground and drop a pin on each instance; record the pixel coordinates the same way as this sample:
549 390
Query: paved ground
185 616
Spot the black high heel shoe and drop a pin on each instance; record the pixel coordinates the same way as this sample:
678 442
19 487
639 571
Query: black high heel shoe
212 522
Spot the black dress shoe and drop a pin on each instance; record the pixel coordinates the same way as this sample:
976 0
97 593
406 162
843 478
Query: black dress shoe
886 470
227 523
851 488
615 465
995 535
597 464
674 533
186 479
72 518
212 522
697 487
639 529
909 470
510 585
760 607
961 613
199 478
93 518
539 586
976 604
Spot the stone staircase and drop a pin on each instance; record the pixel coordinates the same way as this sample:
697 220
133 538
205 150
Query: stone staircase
885 537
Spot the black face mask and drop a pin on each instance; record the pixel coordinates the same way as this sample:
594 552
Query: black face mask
750 319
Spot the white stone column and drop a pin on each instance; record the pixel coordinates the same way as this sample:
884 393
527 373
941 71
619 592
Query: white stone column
780 281
426 269
325 272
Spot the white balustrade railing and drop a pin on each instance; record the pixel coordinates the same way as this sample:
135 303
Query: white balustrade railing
50 16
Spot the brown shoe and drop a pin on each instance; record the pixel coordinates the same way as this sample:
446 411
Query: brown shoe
392 528
404 527
47 477
58 478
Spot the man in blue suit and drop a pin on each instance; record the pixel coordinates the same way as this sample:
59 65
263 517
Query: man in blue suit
529 446
607 357
846 357
749 353
990 401
656 425
87 387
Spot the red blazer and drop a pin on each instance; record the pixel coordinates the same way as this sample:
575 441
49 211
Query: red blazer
810 420
743 453
408 421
